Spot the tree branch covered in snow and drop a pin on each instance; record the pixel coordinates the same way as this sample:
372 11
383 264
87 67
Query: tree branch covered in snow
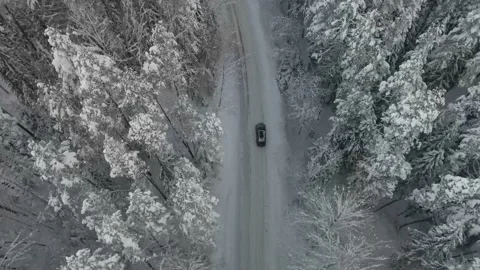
393 66
85 259
331 223
105 137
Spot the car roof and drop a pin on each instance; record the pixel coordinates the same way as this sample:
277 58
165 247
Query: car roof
260 125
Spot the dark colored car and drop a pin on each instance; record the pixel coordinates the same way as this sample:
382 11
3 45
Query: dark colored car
261 134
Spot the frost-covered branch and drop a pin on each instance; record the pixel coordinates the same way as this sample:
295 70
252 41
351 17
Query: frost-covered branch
330 224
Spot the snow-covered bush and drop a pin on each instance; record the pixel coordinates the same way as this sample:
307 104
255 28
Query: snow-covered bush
84 259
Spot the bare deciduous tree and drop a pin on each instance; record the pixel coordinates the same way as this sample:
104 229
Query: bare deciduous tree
330 224
13 252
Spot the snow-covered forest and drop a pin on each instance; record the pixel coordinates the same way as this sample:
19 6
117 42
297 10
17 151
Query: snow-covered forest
401 80
111 149
108 153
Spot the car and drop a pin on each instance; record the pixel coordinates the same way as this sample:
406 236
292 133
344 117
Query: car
261 134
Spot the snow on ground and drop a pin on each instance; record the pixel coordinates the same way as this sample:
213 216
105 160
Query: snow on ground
8 100
252 204
228 101
248 203
232 173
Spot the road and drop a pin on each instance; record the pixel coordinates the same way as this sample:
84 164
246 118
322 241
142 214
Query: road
254 201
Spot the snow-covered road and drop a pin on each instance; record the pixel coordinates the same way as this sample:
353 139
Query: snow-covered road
253 193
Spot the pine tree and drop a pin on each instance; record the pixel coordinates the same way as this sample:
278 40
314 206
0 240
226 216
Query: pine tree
164 58
146 213
201 132
122 161
114 232
363 66
193 204
59 166
453 201
412 112
191 22
447 61
121 67
152 133
24 54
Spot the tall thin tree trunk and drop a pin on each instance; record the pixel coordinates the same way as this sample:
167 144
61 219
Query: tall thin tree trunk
24 34
414 222
19 221
466 253
118 109
22 126
187 146
404 211
8 209
152 181
387 204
